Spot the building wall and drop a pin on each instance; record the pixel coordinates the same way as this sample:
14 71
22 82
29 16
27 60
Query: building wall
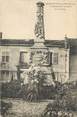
73 67
60 68
14 55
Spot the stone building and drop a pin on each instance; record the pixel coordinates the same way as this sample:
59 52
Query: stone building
57 56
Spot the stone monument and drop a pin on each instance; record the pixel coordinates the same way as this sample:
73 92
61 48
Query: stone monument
40 55
39 52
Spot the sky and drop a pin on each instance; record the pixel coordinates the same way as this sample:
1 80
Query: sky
18 17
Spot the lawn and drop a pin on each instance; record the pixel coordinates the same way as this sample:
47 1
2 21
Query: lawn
21 108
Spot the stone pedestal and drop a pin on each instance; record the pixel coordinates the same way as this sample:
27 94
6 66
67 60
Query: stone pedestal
40 56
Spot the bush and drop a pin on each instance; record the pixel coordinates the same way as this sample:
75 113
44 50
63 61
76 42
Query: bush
10 89
4 107
69 103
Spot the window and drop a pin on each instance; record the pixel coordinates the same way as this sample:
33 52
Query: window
55 58
5 57
24 57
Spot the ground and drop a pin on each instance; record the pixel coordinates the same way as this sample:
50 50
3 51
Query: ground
21 108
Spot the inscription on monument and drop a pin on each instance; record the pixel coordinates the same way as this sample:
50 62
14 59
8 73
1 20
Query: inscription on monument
40 58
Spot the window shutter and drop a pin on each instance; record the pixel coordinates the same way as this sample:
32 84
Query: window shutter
55 58
50 58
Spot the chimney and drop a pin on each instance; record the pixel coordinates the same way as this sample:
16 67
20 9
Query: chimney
39 27
0 35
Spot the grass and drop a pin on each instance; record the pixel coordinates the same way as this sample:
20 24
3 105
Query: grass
21 108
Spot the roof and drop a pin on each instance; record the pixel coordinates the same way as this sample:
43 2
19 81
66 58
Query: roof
30 42
55 43
73 42
16 42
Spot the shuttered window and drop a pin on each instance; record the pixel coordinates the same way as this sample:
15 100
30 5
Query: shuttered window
24 57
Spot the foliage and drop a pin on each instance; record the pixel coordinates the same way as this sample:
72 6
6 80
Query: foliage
4 107
36 82
69 102
10 89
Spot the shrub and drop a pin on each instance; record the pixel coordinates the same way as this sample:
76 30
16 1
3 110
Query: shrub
4 107
10 89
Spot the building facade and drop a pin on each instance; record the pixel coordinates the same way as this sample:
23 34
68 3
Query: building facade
17 52
56 56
